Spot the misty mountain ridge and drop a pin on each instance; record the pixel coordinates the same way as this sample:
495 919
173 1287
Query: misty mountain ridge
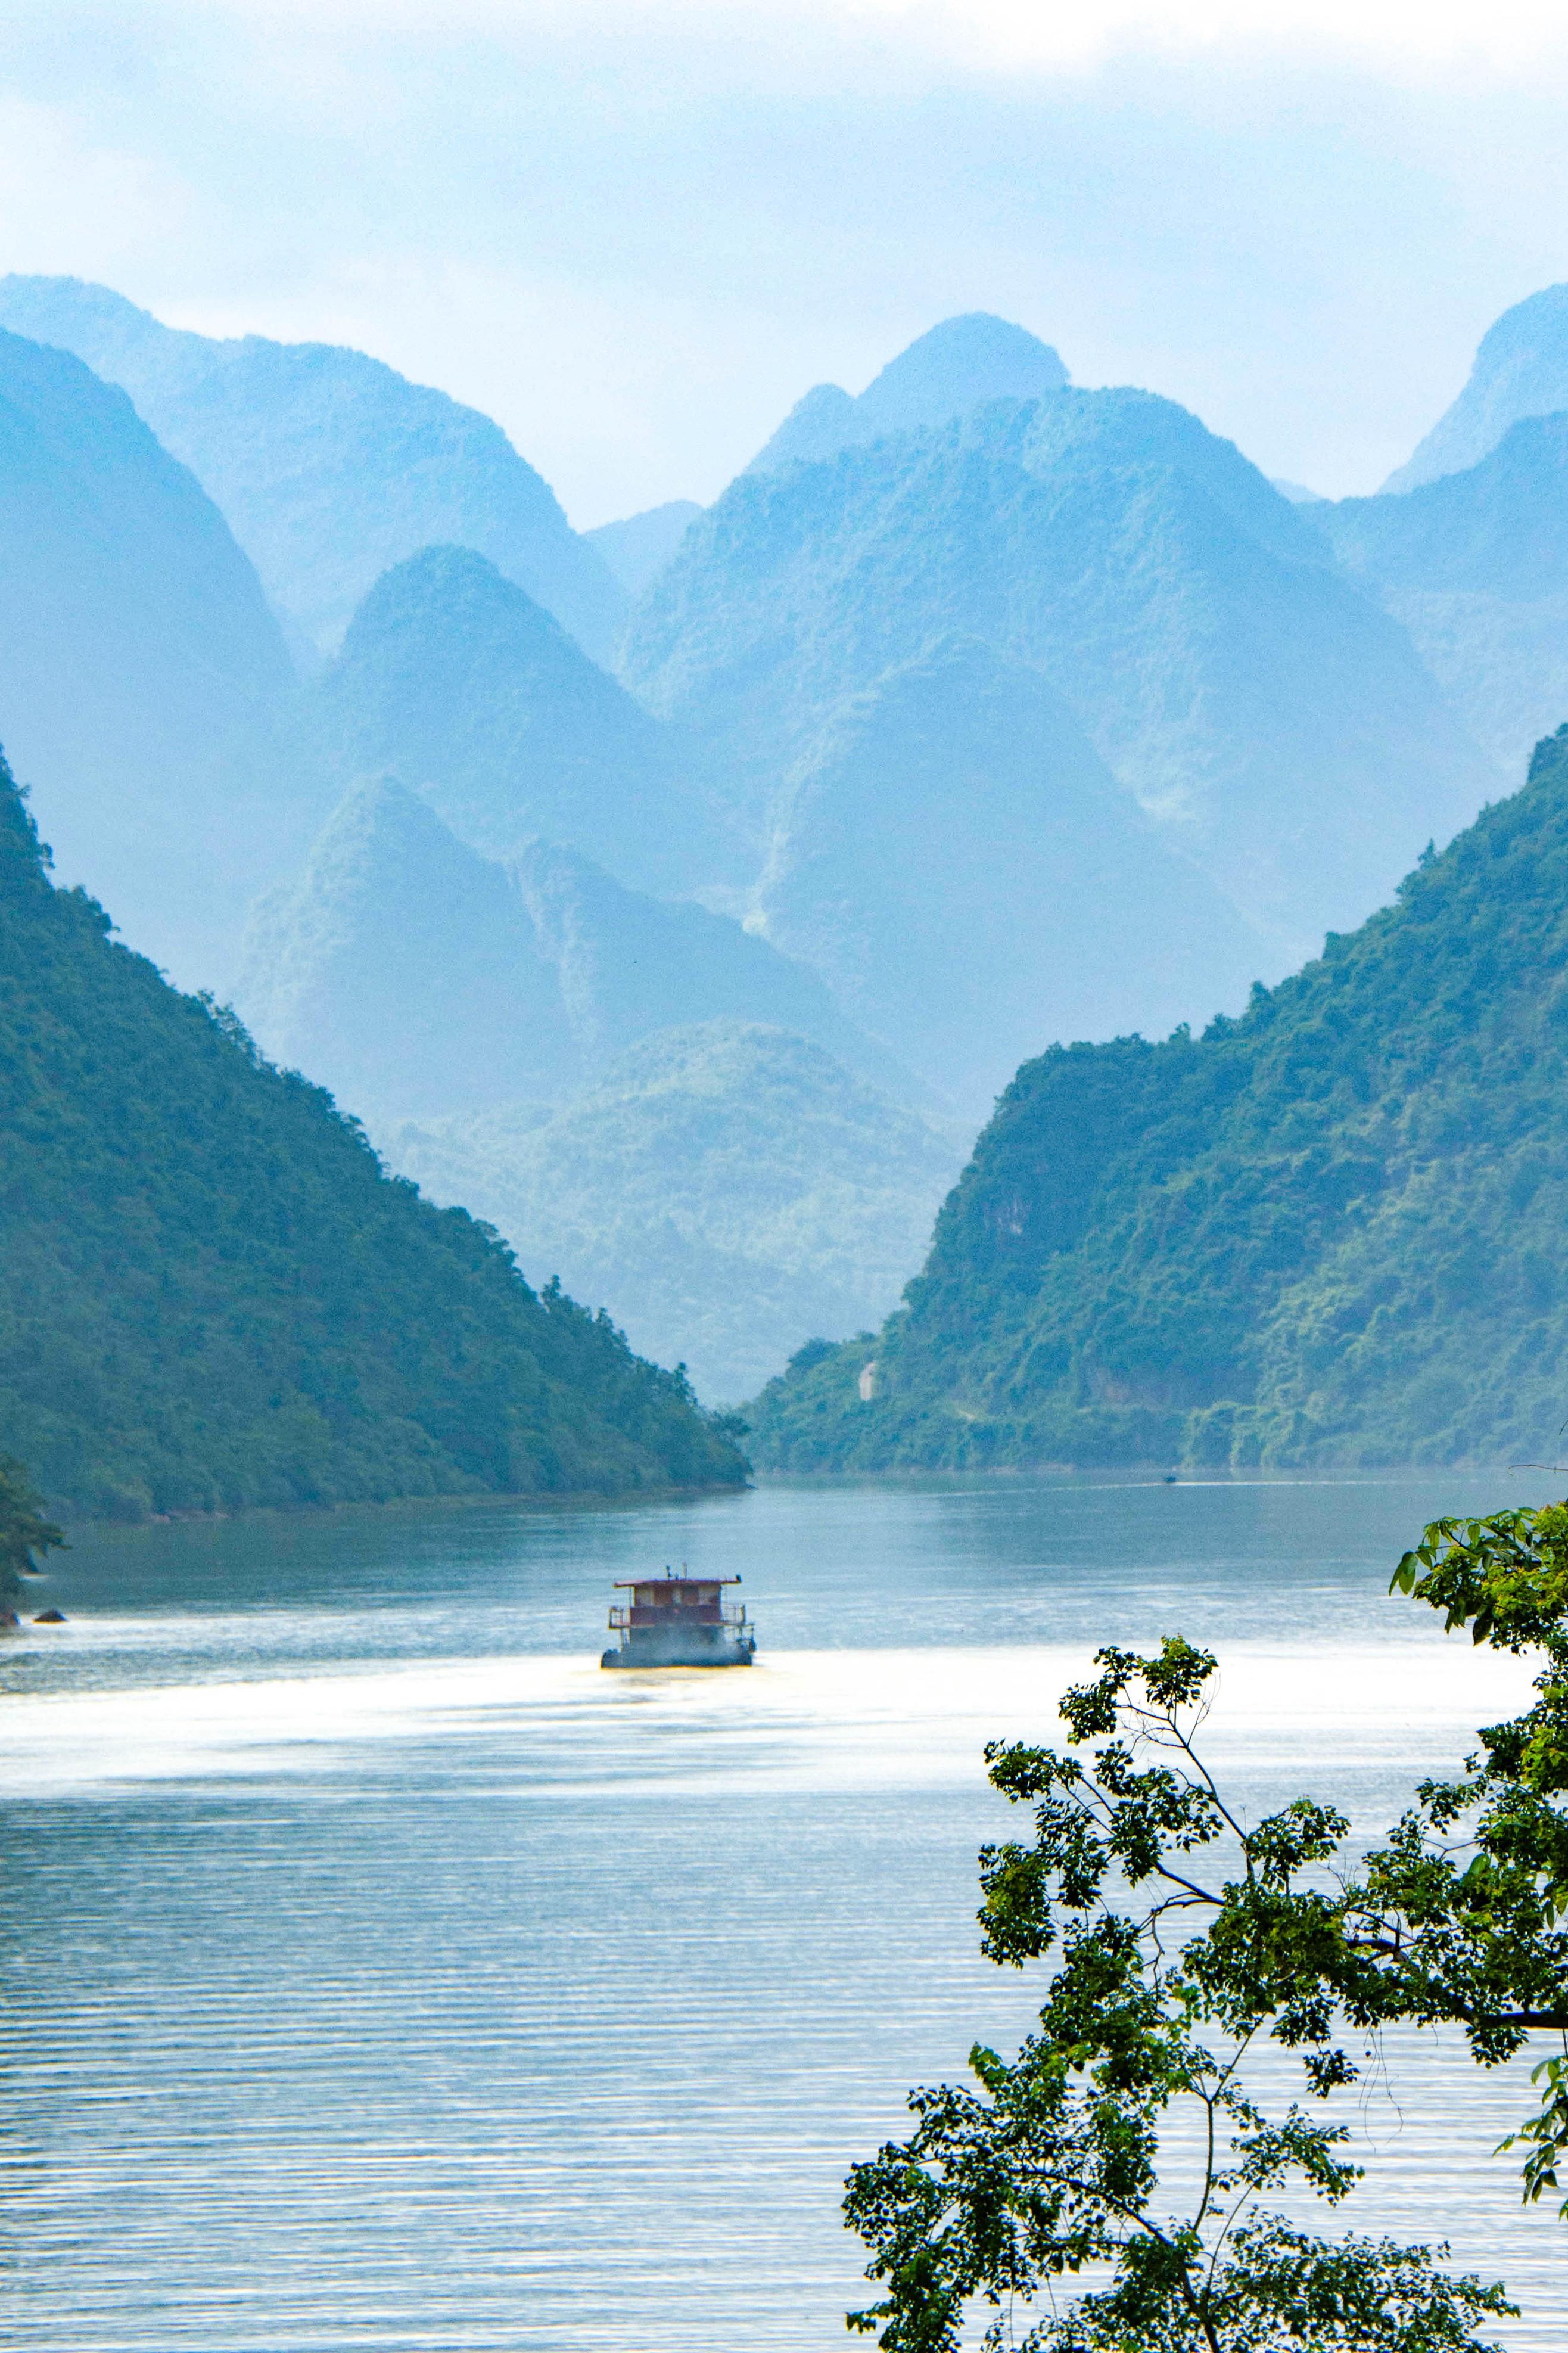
1272 717
958 365
1520 370
1330 1233
416 978
453 678
329 465
1475 565
142 677
211 1295
638 547
958 803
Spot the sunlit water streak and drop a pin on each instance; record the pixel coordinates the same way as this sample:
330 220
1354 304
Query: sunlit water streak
379 1973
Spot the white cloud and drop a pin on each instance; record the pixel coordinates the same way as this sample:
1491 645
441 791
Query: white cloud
637 233
62 194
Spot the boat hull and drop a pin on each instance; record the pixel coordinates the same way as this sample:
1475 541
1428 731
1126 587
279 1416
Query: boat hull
680 1650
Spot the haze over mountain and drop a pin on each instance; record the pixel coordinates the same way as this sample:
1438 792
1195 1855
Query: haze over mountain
401 970
955 367
1331 1232
727 1189
959 862
1520 370
416 978
453 678
1475 564
637 548
1276 721
142 675
211 1296
329 465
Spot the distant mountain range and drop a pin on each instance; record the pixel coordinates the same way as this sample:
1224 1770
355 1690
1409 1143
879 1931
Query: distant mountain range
211 1296
1475 564
958 861
726 1190
980 711
1331 1232
637 548
1273 719
329 465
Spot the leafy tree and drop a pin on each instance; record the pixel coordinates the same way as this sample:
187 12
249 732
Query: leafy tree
1189 1942
24 1531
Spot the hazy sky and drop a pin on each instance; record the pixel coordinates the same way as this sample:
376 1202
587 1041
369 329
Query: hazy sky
637 233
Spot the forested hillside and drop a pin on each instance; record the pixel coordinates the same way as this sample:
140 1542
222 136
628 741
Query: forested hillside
211 1296
1333 1230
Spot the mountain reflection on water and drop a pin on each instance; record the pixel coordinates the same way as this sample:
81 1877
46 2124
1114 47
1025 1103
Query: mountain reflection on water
381 1973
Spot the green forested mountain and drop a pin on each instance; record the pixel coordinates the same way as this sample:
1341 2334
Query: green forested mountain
454 680
1276 723
142 674
1520 370
1333 1230
727 1189
210 1295
329 464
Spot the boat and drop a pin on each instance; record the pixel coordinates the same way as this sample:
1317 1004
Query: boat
679 1621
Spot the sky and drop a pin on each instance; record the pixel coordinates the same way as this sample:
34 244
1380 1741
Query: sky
636 232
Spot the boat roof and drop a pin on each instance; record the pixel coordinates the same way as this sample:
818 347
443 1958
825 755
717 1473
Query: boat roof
626 1584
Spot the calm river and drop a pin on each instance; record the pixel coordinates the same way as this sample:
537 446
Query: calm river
378 1973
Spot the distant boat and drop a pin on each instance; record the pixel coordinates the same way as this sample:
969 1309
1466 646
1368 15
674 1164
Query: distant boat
679 1621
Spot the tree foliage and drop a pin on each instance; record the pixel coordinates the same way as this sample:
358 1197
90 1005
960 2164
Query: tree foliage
1188 1941
24 1530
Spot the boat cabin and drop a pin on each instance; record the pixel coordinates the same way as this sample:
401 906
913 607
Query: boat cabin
679 1621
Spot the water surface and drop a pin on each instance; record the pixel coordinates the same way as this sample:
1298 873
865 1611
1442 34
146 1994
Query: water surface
379 1973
